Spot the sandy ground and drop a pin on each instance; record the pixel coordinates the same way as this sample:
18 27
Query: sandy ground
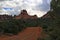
30 33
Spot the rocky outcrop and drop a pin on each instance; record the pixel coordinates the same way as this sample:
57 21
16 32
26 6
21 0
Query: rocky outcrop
24 15
46 16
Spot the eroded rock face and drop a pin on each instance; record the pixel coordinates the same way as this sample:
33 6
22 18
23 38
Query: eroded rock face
24 15
49 15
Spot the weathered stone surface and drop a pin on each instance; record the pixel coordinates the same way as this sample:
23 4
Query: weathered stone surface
24 15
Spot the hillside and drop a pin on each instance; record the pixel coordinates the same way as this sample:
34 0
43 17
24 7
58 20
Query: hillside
51 22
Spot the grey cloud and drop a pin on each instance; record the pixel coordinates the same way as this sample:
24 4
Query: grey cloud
2 0
15 12
5 0
43 7
39 7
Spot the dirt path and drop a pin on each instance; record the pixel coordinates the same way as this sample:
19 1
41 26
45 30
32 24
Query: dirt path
30 33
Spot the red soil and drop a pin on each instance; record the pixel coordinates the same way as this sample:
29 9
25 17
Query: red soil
30 33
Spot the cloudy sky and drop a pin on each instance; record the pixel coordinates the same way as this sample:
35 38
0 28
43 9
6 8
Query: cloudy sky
33 7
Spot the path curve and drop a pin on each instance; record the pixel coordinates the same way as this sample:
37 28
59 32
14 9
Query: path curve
30 33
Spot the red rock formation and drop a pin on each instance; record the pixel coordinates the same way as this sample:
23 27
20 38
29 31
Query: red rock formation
24 15
50 15
46 16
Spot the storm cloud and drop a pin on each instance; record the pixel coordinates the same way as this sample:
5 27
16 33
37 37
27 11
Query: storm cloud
33 7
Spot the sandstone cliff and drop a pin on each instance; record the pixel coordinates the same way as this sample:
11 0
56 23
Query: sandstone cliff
24 15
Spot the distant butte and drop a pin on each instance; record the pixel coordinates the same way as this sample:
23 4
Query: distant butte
24 15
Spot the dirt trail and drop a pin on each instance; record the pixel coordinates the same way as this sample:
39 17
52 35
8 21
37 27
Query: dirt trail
30 33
